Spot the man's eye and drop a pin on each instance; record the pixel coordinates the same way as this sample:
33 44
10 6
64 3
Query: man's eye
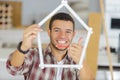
68 31
56 30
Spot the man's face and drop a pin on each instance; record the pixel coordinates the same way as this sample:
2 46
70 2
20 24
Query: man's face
61 34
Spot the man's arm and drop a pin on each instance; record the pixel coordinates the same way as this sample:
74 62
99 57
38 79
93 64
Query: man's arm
29 35
17 58
86 73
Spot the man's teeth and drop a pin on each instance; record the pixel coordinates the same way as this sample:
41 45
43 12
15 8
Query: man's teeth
62 42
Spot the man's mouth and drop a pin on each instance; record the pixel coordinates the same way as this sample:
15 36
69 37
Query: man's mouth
62 44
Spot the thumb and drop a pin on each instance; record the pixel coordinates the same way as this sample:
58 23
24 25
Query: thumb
80 41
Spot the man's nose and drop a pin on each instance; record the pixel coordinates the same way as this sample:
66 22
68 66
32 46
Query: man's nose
62 34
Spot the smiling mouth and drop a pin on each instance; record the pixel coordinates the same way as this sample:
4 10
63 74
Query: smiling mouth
62 44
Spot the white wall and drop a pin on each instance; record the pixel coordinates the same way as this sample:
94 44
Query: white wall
34 9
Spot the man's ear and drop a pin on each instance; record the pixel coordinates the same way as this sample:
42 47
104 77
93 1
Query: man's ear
48 32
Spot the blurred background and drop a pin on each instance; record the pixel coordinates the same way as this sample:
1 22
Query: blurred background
16 15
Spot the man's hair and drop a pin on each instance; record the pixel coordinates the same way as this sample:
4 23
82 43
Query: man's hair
61 16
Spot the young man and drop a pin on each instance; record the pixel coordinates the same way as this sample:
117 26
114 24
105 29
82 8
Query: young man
25 60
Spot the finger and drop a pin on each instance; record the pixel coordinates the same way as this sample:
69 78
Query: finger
74 45
80 41
32 37
37 29
72 49
70 52
35 26
30 34
74 57
34 29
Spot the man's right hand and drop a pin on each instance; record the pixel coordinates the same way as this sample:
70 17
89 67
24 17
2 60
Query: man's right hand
29 35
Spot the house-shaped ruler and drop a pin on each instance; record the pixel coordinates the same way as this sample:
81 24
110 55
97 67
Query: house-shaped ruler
79 66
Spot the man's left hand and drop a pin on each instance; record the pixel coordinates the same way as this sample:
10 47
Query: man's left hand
75 50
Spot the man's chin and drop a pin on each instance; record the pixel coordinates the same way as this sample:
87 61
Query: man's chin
62 48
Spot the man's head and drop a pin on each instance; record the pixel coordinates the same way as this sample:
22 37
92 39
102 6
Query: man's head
61 31
61 16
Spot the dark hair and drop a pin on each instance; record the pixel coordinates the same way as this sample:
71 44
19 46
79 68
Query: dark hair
61 16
